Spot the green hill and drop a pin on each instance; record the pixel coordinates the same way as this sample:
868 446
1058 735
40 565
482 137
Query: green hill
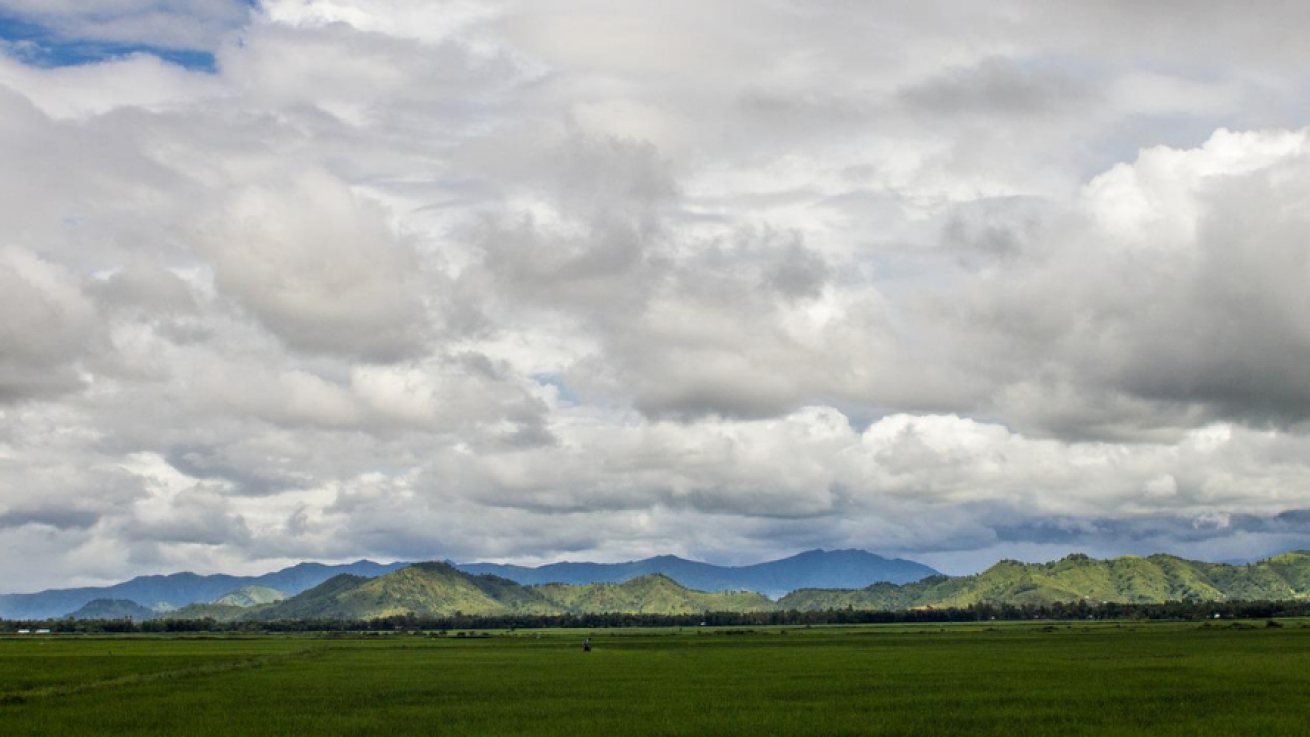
655 594
319 602
1129 579
248 596
438 589
114 609
216 612
423 589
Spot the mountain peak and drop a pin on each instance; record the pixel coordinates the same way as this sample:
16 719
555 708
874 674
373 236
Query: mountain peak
812 569
179 589
437 588
114 609
849 568
652 579
842 552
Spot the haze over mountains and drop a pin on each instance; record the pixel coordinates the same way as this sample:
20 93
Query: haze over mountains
811 569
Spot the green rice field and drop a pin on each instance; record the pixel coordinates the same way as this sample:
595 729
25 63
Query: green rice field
999 679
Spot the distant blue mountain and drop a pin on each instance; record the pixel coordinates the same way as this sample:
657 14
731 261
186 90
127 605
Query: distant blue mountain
828 569
180 589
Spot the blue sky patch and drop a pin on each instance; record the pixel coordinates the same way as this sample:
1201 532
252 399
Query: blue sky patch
566 395
40 45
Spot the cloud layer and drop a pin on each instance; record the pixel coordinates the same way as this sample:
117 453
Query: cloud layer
526 281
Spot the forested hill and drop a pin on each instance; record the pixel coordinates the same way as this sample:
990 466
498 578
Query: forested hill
114 609
180 589
436 589
811 569
1130 579
439 589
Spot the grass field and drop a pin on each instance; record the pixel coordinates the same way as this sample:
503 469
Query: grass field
1002 679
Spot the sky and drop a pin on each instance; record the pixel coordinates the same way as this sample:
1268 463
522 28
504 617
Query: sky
527 281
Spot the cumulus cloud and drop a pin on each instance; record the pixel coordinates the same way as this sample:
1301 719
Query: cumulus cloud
45 322
147 287
319 266
525 281
1171 292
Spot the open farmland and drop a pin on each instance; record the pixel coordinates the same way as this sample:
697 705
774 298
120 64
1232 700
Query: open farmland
1045 678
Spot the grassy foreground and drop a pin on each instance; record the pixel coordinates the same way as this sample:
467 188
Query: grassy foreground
1032 679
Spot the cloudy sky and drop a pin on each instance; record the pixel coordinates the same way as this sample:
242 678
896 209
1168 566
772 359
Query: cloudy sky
596 280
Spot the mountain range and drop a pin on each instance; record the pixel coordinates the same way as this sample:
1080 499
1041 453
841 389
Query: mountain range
179 589
813 569
440 589
436 589
1129 579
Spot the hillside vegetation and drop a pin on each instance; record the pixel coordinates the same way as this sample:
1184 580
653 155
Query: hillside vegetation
428 589
180 589
655 594
440 589
195 593
435 589
248 596
216 612
1130 579
423 588
114 609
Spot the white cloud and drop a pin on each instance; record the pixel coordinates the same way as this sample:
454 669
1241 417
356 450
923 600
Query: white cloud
597 280
319 266
45 323
169 24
